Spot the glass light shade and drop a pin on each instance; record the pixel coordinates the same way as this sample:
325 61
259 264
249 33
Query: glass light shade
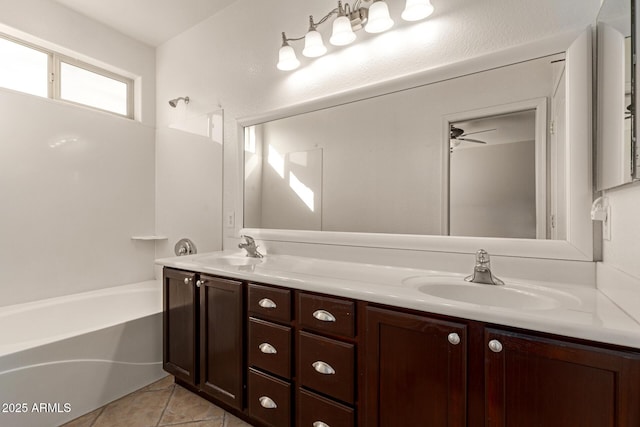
379 19
342 34
416 10
313 45
287 59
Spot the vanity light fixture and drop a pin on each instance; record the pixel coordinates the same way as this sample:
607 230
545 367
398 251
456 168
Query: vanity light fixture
372 15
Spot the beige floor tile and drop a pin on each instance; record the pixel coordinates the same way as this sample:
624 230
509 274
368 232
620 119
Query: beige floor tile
233 421
185 406
216 422
164 383
139 409
86 420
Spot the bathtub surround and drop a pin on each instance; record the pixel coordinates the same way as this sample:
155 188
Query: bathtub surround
76 184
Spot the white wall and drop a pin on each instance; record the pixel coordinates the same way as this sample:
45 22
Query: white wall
75 184
230 58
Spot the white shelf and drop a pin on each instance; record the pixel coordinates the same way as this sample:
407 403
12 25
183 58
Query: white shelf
149 237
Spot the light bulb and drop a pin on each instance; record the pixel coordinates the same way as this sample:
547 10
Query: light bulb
416 10
379 19
313 45
342 34
287 59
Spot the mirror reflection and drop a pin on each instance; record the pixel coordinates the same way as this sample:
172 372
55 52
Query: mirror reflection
430 160
486 154
615 112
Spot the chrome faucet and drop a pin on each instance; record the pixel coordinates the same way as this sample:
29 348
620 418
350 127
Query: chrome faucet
250 246
482 270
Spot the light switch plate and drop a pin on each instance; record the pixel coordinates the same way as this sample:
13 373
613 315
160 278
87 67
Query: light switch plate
230 219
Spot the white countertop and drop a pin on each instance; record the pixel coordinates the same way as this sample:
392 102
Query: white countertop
578 311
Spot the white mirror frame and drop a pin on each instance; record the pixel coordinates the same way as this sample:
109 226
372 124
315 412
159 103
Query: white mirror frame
580 229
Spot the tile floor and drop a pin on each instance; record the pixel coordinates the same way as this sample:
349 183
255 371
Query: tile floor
162 403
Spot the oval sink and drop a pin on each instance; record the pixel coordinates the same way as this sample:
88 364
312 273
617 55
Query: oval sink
228 260
515 296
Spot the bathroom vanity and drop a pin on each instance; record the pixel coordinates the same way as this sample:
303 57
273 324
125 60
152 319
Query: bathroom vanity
291 341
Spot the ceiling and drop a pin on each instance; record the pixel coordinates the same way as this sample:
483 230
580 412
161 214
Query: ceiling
150 21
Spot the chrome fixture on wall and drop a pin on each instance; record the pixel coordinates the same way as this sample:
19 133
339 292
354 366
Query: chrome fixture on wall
372 15
174 102
185 247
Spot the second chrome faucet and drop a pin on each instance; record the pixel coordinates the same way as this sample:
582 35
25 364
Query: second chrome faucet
482 270
250 246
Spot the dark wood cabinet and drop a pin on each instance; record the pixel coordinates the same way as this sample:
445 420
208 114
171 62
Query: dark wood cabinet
270 347
204 335
180 319
415 370
309 360
533 381
327 366
269 399
316 411
221 339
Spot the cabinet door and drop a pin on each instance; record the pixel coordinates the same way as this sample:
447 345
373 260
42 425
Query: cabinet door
533 381
414 375
180 318
221 340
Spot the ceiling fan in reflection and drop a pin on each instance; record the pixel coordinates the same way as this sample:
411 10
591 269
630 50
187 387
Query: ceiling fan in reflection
459 136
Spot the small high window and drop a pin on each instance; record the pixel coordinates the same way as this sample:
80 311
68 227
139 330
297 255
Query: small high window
23 68
45 73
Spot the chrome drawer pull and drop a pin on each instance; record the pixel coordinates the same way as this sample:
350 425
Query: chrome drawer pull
267 403
324 316
267 348
323 368
266 303
320 424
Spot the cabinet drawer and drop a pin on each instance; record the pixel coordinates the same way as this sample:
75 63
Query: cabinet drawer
270 347
270 303
326 366
317 411
326 314
269 399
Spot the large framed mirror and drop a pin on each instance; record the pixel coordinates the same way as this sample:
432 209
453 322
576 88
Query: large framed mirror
617 142
395 165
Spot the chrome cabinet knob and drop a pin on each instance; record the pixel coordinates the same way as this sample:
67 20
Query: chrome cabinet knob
267 348
267 303
200 282
320 424
267 402
324 316
186 280
323 368
454 338
495 346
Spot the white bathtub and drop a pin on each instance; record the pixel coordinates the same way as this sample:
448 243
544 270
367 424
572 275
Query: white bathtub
63 357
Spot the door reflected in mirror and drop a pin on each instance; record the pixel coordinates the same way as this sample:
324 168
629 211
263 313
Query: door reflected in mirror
492 184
